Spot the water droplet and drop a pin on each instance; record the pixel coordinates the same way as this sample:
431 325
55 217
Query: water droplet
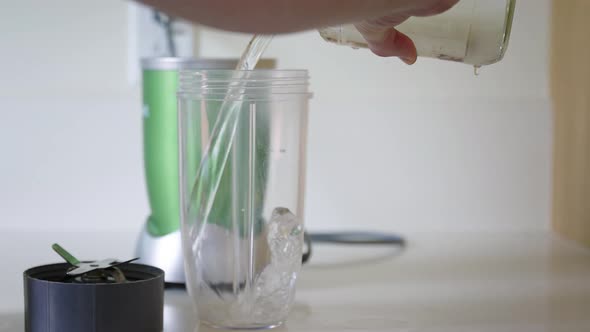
476 70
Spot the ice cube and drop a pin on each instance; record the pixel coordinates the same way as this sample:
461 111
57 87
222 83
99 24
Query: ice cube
275 286
285 237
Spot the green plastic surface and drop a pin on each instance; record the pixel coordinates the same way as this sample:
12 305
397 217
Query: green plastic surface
160 142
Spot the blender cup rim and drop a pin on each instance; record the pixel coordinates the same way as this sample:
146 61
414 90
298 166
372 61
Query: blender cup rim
260 84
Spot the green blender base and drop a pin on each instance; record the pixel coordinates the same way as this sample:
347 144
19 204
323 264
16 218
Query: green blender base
160 241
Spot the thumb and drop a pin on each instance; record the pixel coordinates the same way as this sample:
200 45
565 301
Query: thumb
386 41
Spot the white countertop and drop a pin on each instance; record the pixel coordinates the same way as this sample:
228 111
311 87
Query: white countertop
476 282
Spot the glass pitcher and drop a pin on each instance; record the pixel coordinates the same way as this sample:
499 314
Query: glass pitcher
474 32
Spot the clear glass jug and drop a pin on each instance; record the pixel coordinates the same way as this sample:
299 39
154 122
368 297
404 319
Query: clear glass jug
474 32
242 255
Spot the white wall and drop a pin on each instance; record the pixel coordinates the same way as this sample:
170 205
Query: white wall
70 128
428 147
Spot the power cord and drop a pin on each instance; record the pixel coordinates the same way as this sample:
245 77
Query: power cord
350 238
167 23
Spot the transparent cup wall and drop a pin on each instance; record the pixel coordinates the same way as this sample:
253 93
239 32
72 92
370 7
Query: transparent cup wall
242 224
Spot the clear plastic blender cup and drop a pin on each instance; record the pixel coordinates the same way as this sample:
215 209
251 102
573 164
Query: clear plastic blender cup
243 237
